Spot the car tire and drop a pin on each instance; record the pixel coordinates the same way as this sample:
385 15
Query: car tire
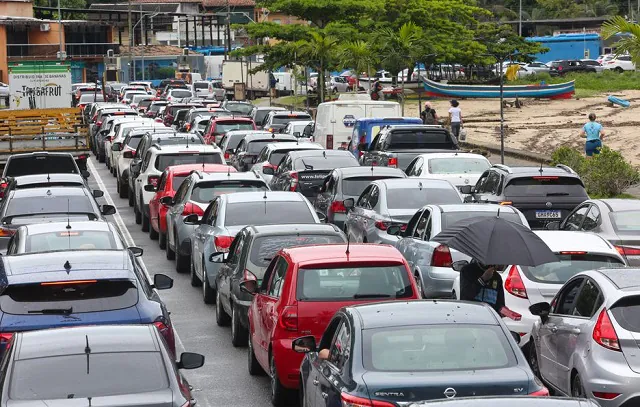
253 366
577 389
145 223
618 70
208 292
106 163
532 359
153 235
100 158
239 333
137 213
118 189
132 201
419 284
195 280
170 254
113 172
279 394
182 262
162 240
222 318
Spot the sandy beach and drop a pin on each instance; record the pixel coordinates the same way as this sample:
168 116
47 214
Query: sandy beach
543 125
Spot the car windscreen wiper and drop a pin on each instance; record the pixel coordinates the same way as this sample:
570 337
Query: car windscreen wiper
53 311
557 193
371 296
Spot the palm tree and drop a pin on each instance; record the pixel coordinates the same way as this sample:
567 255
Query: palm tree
600 8
628 44
359 56
320 48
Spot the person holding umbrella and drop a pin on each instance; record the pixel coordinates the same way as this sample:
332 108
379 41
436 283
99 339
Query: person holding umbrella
479 282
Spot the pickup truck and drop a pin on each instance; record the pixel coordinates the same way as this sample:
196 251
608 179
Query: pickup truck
397 145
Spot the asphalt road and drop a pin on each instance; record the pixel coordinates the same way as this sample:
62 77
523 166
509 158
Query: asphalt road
223 380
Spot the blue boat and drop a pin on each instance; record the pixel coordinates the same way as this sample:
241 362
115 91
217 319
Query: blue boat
542 91
618 101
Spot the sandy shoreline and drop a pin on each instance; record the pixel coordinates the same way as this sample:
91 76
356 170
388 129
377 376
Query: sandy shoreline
543 125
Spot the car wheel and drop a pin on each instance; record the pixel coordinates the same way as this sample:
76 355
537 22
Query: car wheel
153 235
619 70
162 240
137 213
132 201
113 172
182 261
170 254
419 284
145 222
239 333
533 359
195 281
222 318
208 292
107 163
254 367
100 157
279 394
577 390
118 189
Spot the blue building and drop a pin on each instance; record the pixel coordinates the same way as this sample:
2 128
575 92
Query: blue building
569 46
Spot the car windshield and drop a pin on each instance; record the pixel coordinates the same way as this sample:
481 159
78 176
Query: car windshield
165 160
359 281
233 142
277 156
626 222
31 165
458 165
223 127
546 186
177 93
436 348
414 139
260 115
71 240
205 192
34 205
81 376
267 213
264 248
355 185
568 266
414 198
321 162
242 108
284 119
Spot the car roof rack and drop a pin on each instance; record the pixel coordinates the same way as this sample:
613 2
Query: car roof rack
566 168
503 168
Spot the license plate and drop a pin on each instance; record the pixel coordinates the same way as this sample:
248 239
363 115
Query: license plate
548 215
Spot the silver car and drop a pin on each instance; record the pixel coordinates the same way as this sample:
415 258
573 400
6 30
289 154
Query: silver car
585 343
390 202
273 153
192 198
431 262
227 215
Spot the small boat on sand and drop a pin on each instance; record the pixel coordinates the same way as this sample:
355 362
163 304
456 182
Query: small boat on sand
541 91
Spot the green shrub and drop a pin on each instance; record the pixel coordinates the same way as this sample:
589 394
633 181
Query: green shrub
570 157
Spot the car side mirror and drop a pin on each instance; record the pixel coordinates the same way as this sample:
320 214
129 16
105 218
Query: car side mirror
394 230
162 282
555 225
136 251
296 134
249 286
85 174
108 210
458 265
190 360
116 146
167 200
97 193
466 189
349 203
541 309
268 171
304 344
468 199
192 219
516 337
150 188
218 257
129 154
321 216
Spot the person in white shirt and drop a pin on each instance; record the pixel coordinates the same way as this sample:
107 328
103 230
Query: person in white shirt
455 118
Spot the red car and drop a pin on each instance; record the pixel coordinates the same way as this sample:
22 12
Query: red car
168 184
218 126
303 288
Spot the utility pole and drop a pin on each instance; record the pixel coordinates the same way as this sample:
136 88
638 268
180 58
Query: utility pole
228 44
60 28
131 67
520 20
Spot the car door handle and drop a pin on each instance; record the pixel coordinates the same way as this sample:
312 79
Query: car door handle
315 382
325 395
553 328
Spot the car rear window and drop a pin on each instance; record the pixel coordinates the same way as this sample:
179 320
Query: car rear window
322 162
627 313
205 192
451 218
223 127
412 139
165 160
254 147
413 198
134 141
172 140
30 205
437 348
267 213
355 185
546 186
285 119
201 85
265 248
71 240
156 106
568 266
626 222
77 296
83 376
458 165
86 98
145 103
357 282
40 165
242 108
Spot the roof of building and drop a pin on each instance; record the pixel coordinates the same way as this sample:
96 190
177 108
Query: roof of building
232 3
158 50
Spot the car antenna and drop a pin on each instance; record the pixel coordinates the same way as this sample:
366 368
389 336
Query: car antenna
498 214
87 351
228 171
540 167
67 266
348 243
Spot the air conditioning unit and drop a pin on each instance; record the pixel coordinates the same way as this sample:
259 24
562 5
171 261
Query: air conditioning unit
62 55
185 51
45 27
110 53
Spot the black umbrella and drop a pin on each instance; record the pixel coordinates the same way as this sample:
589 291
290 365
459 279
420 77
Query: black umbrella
494 240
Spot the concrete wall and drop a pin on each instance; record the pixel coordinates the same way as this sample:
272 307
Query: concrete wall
46 37
16 8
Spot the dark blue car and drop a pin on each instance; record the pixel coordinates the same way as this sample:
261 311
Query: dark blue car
87 287
398 353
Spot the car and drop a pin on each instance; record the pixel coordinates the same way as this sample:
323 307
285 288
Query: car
592 62
505 401
277 120
543 194
228 214
87 98
238 108
201 88
304 171
47 204
249 255
87 287
584 344
218 126
337 84
620 63
154 108
302 289
117 133
413 351
393 202
44 180
42 162
432 262
171 111
249 148
76 235
258 113
616 220
135 101
231 139
129 94
272 153
203 112
155 160
345 183
104 128
192 198
178 83
169 182
296 128
561 68
112 90
200 121
536 67
102 112
144 104
55 365
458 168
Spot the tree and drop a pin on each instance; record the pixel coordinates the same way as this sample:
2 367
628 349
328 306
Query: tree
322 12
628 44
359 56
502 43
320 51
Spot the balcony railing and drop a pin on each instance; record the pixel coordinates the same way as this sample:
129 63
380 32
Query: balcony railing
91 49
50 50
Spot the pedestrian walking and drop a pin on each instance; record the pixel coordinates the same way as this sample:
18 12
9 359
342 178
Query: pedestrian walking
455 118
429 115
482 283
594 134
376 91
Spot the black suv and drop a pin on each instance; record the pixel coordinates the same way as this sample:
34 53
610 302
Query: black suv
561 68
542 194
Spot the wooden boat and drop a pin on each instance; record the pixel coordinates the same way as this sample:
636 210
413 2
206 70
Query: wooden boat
542 91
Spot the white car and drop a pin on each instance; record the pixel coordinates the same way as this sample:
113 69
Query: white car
532 69
296 128
594 63
271 155
458 168
177 94
113 154
4 90
136 99
114 132
128 95
525 286
620 63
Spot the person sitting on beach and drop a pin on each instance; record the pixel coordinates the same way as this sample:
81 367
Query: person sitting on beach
594 134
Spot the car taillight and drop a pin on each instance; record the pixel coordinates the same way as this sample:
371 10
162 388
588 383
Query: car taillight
294 180
354 401
289 318
560 68
393 162
604 333
95 116
441 257
167 333
382 225
227 155
605 395
5 340
628 251
153 180
514 284
99 123
543 392
222 243
337 207
4 232
191 208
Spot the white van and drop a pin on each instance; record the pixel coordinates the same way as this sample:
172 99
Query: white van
335 120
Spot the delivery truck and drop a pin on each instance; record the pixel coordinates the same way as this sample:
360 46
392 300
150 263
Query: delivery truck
255 85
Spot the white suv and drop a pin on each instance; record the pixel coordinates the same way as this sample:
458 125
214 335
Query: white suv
156 160
620 64
116 130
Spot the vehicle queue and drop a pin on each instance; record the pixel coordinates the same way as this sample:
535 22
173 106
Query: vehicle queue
316 258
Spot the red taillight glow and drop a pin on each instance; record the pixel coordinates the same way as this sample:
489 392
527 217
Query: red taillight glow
153 180
514 285
5 340
353 401
604 395
294 180
545 178
382 225
441 257
7 232
543 392
337 207
289 318
167 333
191 208
72 282
227 155
222 243
570 253
628 251
604 333
99 123
393 162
